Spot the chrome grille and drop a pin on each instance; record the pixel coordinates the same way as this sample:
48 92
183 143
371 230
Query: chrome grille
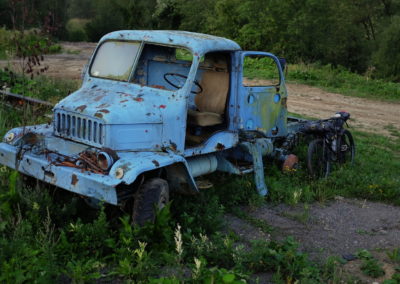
79 128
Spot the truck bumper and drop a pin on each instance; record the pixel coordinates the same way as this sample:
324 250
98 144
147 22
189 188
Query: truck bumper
101 187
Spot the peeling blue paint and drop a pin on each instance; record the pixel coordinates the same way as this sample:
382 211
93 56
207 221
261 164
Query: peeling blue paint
142 122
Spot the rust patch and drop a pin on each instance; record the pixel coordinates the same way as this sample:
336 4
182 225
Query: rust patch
290 164
98 98
138 99
124 101
104 111
74 179
173 146
123 94
284 102
98 114
156 163
103 106
81 108
220 147
158 87
162 106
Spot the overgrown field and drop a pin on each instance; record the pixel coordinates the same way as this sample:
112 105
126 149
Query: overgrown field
44 88
342 81
19 43
333 79
49 235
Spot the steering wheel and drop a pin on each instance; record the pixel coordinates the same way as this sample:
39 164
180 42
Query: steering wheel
178 80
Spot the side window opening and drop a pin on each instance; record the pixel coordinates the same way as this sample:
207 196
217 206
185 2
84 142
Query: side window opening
182 54
260 71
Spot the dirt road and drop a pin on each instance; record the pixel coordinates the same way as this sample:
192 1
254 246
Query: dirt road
367 115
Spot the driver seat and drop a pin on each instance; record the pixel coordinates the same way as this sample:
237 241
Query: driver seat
212 100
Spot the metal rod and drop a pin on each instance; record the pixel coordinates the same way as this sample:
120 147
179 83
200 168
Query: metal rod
15 97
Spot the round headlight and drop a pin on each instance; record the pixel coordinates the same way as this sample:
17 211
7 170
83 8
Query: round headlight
9 137
104 161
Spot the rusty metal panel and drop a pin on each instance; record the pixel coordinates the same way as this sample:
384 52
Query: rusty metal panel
101 187
138 122
263 108
220 141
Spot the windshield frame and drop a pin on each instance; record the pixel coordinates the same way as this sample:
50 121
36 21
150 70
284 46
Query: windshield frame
133 67
193 64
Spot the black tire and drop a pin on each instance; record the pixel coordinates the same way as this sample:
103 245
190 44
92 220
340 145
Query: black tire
152 195
318 162
347 148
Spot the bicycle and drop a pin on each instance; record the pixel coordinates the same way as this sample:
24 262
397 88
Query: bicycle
331 143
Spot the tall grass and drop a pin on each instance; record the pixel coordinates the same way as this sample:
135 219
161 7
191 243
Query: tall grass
29 38
333 79
340 80
49 235
5 38
40 87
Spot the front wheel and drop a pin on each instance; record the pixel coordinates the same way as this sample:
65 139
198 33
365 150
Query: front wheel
318 163
152 195
346 148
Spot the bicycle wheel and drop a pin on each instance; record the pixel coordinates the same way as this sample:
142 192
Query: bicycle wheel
318 163
347 148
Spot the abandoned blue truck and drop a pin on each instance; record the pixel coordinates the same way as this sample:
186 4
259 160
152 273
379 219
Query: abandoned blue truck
159 108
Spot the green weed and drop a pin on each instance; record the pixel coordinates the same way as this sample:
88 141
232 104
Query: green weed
48 235
394 255
395 279
370 266
15 43
40 87
284 258
340 80
333 79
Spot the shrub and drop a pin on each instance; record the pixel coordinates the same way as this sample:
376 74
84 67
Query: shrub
387 56
76 29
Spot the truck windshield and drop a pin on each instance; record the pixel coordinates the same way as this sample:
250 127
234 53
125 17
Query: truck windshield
114 60
157 66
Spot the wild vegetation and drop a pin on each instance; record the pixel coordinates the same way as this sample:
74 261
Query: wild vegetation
49 235
362 36
342 81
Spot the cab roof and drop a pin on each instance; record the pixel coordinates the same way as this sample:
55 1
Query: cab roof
197 42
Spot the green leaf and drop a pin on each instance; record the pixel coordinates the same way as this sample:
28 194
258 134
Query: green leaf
228 278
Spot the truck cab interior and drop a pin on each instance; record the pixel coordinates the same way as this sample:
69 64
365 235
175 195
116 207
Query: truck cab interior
207 112
167 68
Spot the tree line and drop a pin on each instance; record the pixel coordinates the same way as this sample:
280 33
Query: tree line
360 35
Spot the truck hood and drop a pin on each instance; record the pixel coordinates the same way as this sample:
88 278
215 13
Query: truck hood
116 104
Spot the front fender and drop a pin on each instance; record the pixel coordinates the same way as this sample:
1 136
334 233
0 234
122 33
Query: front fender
135 163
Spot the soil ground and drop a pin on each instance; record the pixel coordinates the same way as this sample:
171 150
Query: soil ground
337 228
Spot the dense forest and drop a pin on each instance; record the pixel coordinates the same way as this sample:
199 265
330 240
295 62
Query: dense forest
360 35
